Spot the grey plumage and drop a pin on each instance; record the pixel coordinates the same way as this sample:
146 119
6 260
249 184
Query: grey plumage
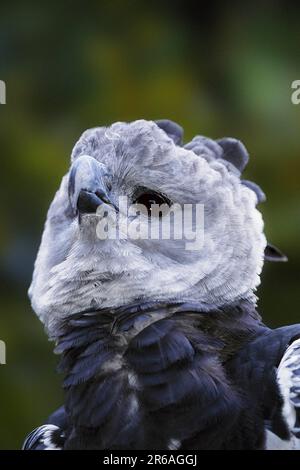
71 259
153 336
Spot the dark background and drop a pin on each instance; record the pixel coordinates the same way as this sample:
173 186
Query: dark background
219 71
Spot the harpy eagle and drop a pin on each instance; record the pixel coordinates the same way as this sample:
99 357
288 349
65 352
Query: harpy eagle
162 347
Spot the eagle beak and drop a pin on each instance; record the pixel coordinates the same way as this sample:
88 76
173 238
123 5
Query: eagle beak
88 185
88 202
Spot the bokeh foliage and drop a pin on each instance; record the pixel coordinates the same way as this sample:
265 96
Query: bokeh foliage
72 65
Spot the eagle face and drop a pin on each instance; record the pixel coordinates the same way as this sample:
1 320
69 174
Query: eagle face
145 163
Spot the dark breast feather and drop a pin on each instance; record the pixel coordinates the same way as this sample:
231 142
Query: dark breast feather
160 375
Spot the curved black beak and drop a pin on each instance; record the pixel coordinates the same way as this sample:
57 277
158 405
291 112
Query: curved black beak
87 185
89 201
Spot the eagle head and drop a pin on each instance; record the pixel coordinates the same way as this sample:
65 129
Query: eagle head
146 163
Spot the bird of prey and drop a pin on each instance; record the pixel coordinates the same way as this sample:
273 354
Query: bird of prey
161 347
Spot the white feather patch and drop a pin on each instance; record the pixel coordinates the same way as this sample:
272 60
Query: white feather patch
289 380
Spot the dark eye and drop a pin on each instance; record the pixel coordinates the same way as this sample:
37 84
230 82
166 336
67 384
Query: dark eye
148 198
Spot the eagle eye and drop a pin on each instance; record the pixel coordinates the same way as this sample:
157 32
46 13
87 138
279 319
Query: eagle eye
148 198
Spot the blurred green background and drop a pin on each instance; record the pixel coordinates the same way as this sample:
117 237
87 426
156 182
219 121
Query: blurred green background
72 65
